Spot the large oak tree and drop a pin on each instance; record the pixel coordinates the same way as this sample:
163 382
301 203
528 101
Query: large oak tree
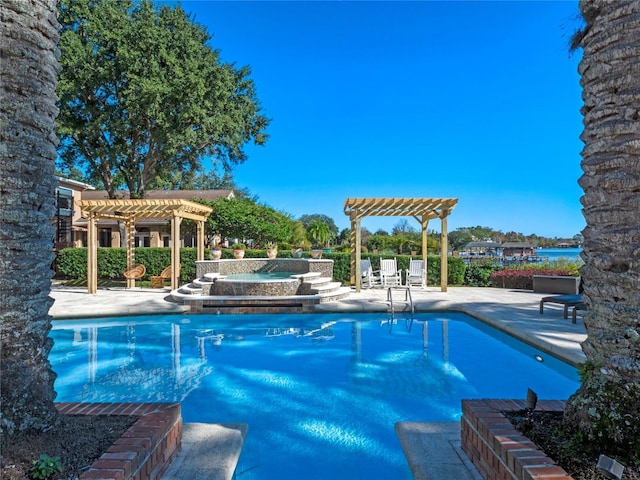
144 96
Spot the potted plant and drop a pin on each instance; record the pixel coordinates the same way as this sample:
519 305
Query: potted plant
216 251
272 249
238 250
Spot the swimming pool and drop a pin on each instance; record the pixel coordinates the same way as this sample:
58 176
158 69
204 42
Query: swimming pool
321 392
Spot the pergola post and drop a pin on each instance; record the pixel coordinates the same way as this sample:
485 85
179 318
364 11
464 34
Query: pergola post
92 254
200 240
444 253
356 264
130 225
424 224
175 251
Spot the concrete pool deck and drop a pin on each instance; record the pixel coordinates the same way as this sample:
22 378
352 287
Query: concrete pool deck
513 311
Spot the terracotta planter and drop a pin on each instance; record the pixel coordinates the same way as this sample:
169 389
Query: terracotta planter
238 254
216 254
272 252
316 253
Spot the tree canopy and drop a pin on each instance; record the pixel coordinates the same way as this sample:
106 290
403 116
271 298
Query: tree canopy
143 95
245 219
328 221
318 233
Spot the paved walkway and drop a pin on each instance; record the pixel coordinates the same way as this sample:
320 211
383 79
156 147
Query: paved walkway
513 311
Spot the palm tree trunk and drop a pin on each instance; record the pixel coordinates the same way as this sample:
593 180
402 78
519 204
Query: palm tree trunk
28 39
606 408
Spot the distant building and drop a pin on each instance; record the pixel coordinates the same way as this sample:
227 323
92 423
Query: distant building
518 249
491 249
68 232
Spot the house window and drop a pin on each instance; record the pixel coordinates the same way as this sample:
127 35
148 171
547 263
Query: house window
143 237
104 237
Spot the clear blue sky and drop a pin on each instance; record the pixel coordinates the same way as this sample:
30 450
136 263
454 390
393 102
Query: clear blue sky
474 100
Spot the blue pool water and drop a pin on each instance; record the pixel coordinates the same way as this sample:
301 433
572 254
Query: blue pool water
321 392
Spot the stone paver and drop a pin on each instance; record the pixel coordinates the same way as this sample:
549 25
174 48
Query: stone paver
513 311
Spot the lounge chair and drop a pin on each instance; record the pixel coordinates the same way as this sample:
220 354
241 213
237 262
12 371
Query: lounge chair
389 274
574 312
416 274
136 273
570 300
367 277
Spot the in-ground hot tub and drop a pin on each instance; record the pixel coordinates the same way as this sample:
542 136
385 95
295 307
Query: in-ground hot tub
256 284
260 276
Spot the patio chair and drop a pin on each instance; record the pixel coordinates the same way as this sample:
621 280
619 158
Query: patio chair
416 274
368 278
136 273
389 273
160 280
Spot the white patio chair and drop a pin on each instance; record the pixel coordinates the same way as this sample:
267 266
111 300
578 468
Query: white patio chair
389 273
368 278
416 273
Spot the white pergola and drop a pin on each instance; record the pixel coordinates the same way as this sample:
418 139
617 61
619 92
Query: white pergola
422 209
128 212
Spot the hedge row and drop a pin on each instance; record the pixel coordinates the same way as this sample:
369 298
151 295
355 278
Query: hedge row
71 263
112 262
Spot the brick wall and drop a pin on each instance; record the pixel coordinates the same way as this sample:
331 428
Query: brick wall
145 450
497 449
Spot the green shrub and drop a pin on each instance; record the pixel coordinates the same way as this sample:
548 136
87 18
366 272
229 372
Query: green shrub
45 467
479 275
71 263
455 269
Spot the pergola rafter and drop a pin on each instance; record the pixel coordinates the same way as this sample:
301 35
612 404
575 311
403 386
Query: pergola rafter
422 209
129 211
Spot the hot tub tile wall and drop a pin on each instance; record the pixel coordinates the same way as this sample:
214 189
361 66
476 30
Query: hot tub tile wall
497 449
249 265
145 450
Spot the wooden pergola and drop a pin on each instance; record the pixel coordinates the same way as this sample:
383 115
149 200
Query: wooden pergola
128 212
422 209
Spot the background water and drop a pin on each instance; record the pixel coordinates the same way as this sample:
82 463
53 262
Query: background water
321 392
570 254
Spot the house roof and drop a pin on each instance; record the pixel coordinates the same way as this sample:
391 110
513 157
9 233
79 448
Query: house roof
162 194
483 245
517 245
74 184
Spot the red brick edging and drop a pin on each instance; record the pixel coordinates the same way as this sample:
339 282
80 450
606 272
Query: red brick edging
145 450
497 449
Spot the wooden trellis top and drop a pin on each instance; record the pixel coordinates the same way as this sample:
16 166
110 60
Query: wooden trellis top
427 208
121 209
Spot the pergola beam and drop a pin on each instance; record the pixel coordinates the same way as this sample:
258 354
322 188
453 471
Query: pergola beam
422 209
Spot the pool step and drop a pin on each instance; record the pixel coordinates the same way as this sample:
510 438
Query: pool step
191 289
314 290
335 295
325 288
